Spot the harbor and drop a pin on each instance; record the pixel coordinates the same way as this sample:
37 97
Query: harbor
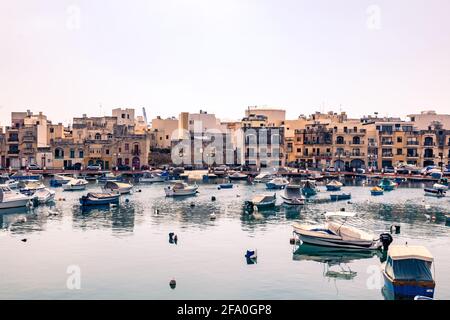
124 250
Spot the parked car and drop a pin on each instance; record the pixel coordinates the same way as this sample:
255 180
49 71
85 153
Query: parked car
94 167
123 167
330 169
33 166
389 170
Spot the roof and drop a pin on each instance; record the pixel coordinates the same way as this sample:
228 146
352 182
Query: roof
403 252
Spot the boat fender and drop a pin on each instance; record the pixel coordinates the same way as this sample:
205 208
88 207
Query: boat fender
386 239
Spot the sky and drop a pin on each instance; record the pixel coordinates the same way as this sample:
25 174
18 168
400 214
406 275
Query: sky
67 58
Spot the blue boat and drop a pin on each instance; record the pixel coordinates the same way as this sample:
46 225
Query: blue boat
376 191
21 175
407 271
59 180
99 199
340 196
225 186
387 184
309 189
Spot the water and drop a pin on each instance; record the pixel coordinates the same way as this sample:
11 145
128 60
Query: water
124 252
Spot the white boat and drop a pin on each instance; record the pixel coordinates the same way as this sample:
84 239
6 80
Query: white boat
30 187
58 180
292 195
149 177
12 199
439 193
334 185
338 234
237 176
277 183
13 184
180 189
44 195
120 187
263 177
75 184
438 186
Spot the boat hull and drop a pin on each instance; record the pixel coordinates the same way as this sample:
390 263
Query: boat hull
273 186
73 187
409 288
333 188
307 192
91 201
338 197
180 193
226 186
14 204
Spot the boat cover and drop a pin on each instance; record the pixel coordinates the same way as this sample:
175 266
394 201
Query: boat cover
397 252
409 269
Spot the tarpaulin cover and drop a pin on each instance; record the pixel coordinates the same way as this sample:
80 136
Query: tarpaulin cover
412 269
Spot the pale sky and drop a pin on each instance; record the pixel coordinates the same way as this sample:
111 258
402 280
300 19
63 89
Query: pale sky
222 56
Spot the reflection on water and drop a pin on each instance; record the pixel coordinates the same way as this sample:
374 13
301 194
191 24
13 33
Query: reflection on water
131 240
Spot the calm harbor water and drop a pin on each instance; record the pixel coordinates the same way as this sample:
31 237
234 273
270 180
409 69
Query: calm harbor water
124 252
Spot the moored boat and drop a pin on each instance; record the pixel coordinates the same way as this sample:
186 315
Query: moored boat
180 189
309 188
93 199
407 271
30 187
260 202
334 185
263 177
439 193
237 176
340 235
44 195
277 183
292 195
120 187
376 191
225 186
13 184
150 177
387 184
59 180
107 176
75 184
22 175
340 196
12 199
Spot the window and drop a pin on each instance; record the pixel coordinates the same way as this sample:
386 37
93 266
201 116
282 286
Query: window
127 147
299 150
98 136
123 115
59 153
399 152
52 130
107 151
127 161
399 139
167 137
110 136
72 153
80 153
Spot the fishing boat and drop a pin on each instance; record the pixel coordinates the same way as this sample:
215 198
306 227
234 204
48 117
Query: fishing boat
277 183
75 184
263 177
98 199
439 193
407 271
376 191
334 185
340 196
237 176
30 187
44 195
120 187
180 189
260 202
309 188
12 199
150 177
107 176
59 180
22 175
339 235
225 186
292 195
441 185
387 184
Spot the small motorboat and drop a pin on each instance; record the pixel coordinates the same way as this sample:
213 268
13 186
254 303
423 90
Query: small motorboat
22 175
225 186
12 184
340 235
107 176
44 195
120 187
334 185
149 177
12 199
75 184
59 180
260 202
340 196
292 195
277 183
96 199
376 191
441 185
407 271
387 184
439 193
309 188
263 177
180 189
30 187
209 176
237 176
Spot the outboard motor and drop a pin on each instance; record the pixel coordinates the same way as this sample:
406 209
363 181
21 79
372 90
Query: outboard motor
248 206
386 240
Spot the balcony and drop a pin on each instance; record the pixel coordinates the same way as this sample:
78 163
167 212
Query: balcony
28 151
136 152
372 144
13 139
387 155
412 143
429 156
28 139
429 144
416 155
357 154
13 152
352 143
387 143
